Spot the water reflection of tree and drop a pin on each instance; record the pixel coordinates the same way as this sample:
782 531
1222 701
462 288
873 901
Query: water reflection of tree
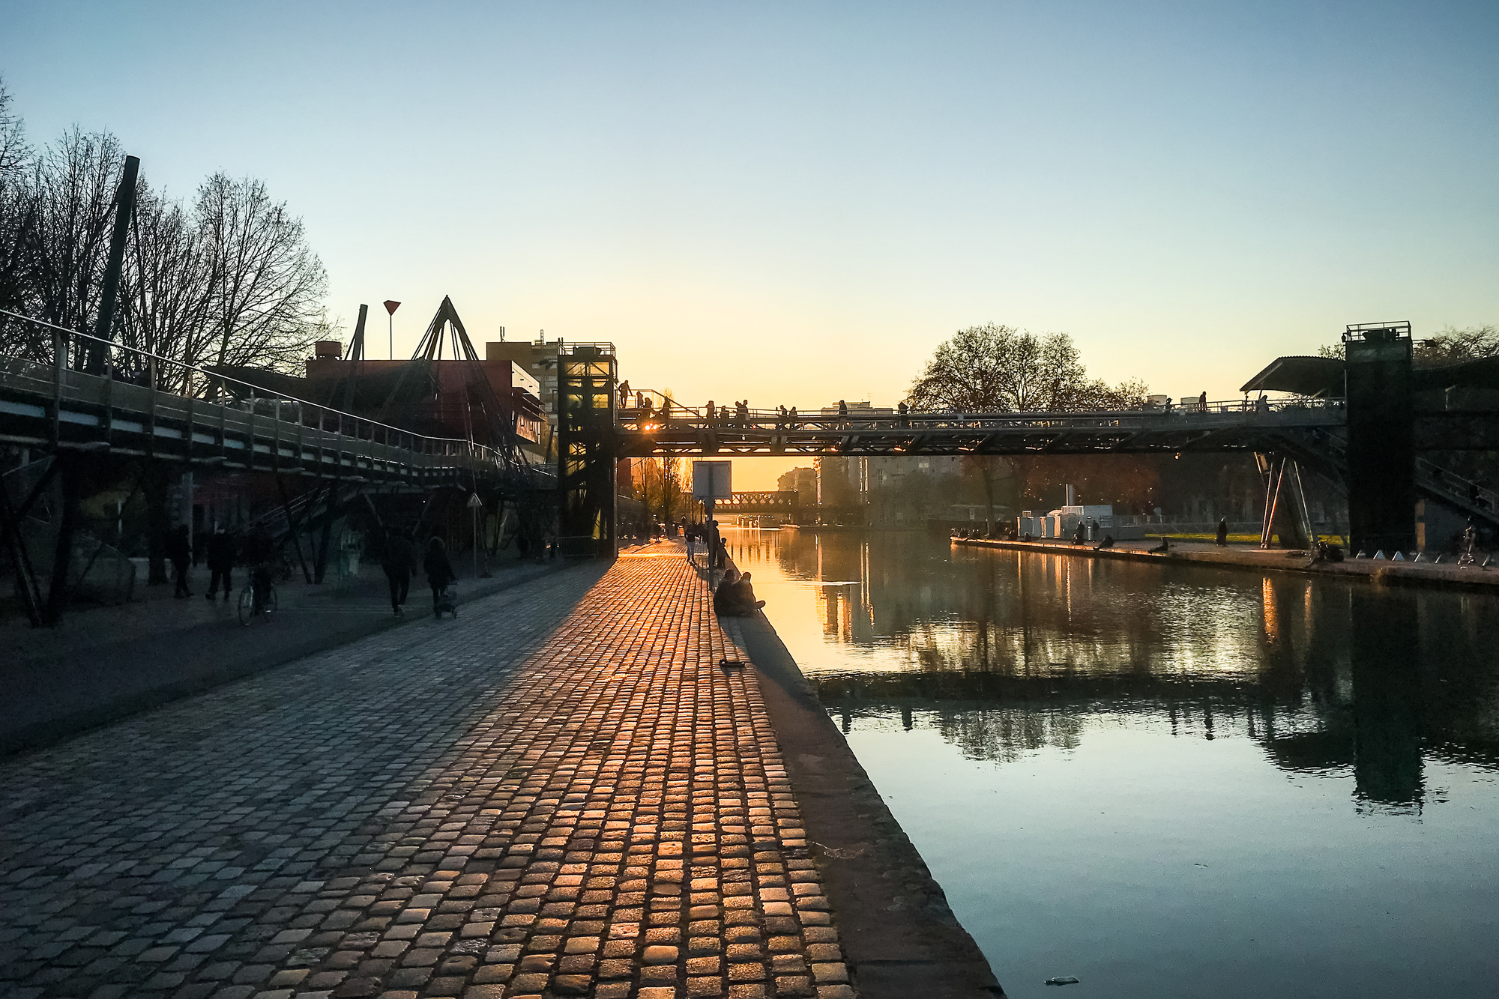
1008 654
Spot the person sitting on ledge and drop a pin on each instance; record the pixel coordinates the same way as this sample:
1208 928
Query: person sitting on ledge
742 598
723 597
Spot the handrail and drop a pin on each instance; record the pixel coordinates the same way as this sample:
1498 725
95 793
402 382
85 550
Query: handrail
869 418
263 393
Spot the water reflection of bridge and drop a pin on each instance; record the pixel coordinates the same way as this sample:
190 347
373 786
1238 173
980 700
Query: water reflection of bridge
1011 653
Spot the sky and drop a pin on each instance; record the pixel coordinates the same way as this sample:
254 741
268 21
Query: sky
795 203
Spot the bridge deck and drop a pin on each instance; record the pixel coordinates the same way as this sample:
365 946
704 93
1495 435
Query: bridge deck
1139 431
89 411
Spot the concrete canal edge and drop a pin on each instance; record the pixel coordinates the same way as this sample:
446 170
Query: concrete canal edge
899 935
1377 572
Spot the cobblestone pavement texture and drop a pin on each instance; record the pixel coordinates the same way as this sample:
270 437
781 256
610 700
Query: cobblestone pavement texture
560 793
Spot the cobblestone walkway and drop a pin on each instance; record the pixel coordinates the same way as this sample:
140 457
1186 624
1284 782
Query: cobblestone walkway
560 793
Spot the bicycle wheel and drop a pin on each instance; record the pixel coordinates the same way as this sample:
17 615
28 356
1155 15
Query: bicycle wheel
246 606
268 607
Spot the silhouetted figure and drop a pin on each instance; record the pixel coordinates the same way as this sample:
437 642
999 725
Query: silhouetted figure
712 414
259 553
1079 535
624 394
791 418
399 561
723 597
742 602
1262 404
1222 531
742 411
439 572
714 542
220 563
665 410
905 415
180 552
1202 403
842 413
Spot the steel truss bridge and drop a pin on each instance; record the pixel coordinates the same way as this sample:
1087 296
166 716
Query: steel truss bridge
760 501
1215 427
1310 433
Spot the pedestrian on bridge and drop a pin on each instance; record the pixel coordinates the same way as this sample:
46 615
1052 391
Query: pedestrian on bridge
624 394
180 551
220 563
1202 403
712 414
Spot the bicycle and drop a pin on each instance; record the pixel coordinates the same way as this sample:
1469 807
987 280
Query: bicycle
258 596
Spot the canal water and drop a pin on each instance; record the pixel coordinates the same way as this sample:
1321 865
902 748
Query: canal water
1167 780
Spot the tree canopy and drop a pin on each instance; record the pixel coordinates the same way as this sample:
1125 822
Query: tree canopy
1001 369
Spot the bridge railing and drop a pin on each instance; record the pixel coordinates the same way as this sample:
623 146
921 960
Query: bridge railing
653 417
131 385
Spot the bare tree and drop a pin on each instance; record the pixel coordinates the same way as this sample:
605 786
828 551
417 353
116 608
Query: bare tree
999 369
268 284
17 210
167 291
14 152
76 180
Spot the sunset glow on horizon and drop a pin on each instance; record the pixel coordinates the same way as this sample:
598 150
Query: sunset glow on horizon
793 205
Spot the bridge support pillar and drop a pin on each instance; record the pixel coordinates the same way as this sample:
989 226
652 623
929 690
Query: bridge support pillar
1381 439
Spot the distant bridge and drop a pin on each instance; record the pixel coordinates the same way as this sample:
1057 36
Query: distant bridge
761 501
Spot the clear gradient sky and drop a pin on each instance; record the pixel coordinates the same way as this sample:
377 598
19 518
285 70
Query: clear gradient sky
796 202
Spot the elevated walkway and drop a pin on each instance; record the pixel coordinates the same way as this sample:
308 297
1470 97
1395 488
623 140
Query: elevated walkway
43 407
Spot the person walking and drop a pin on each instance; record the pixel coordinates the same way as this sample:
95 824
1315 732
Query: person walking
180 551
220 563
398 560
1202 403
439 570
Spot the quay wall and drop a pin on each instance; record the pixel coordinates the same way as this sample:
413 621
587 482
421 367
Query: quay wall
1376 571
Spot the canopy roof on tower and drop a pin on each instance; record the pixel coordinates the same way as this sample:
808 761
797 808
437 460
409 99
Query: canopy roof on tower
1300 375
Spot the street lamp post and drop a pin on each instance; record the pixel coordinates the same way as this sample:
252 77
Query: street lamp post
476 504
390 309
